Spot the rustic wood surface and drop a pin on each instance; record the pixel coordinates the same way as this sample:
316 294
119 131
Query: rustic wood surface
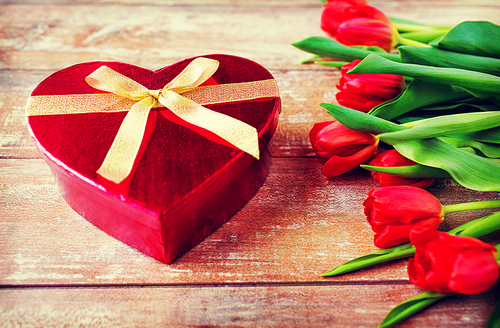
262 267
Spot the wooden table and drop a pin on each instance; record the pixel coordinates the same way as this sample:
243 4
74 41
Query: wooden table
262 267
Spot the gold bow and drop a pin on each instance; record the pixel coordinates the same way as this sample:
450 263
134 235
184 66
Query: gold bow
120 158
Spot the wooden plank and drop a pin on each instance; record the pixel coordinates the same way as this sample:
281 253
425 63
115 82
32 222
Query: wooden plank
262 3
146 36
15 88
262 267
299 91
233 306
58 35
298 225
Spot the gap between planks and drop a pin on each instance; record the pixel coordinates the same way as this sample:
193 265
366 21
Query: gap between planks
210 285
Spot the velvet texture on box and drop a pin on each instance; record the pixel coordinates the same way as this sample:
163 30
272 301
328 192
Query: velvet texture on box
183 185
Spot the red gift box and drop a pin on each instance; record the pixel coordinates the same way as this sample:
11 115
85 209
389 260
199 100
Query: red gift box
188 175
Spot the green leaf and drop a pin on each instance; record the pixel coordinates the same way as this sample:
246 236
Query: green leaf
490 135
475 38
310 60
487 149
443 58
374 49
329 48
444 125
445 109
477 83
471 171
412 171
409 307
331 63
418 94
359 121
494 318
465 106
381 256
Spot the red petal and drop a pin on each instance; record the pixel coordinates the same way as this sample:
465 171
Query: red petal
367 32
406 204
475 271
339 165
316 128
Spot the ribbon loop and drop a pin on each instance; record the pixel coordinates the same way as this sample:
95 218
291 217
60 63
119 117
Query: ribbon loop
106 79
121 157
195 74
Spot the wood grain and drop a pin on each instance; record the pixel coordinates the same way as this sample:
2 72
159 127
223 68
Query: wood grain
262 267
153 36
232 306
297 226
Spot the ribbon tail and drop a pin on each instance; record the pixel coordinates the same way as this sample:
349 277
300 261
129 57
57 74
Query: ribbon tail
121 156
235 132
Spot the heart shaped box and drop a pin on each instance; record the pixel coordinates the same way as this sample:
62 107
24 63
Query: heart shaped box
183 187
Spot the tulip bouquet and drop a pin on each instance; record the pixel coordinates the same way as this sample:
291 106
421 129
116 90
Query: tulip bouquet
432 95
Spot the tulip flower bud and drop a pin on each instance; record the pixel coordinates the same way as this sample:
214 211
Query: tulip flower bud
394 211
334 14
446 263
368 32
340 149
365 91
355 23
391 158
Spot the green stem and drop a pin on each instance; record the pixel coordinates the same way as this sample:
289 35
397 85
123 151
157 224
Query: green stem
407 42
408 27
484 204
479 227
332 63
424 36
402 27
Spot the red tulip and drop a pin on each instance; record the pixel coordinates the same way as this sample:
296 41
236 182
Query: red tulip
368 32
365 91
341 149
445 263
394 211
334 14
391 158
355 23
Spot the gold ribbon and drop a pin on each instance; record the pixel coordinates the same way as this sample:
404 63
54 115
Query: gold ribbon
124 91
